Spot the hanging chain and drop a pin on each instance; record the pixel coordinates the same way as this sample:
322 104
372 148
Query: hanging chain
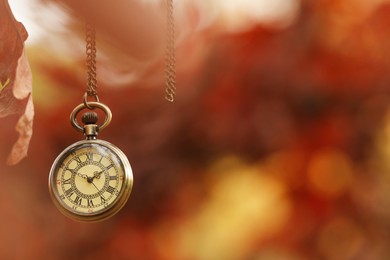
170 59
91 61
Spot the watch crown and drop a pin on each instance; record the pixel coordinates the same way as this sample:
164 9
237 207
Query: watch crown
90 118
90 127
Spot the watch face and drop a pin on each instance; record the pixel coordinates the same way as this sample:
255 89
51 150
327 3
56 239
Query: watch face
90 180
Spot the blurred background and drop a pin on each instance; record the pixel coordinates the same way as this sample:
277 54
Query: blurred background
276 148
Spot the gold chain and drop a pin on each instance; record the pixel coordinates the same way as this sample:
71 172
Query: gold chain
170 60
91 60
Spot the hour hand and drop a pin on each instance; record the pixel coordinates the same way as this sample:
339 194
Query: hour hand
84 176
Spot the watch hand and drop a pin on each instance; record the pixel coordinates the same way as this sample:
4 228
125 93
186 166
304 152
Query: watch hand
98 190
97 174
84 176
95 186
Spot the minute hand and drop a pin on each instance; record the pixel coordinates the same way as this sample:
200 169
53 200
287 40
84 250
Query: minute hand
97 174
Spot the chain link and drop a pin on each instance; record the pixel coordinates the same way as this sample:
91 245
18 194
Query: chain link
91 61
170 59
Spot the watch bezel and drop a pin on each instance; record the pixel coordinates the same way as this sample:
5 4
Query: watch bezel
115 206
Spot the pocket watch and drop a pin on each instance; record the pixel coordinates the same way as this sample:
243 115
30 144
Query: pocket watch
91 180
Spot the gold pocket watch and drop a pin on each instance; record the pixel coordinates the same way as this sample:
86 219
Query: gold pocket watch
91 180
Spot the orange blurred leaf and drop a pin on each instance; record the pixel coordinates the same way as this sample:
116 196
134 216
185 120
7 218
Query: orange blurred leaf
15 80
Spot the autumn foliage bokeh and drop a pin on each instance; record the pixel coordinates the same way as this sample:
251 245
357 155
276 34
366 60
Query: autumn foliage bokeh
277 146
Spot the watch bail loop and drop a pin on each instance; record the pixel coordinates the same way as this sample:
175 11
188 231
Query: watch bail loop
90 118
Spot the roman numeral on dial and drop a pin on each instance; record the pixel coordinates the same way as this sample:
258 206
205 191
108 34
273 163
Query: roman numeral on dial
110 189
89 156
90 203
78 200
69 192
77 159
